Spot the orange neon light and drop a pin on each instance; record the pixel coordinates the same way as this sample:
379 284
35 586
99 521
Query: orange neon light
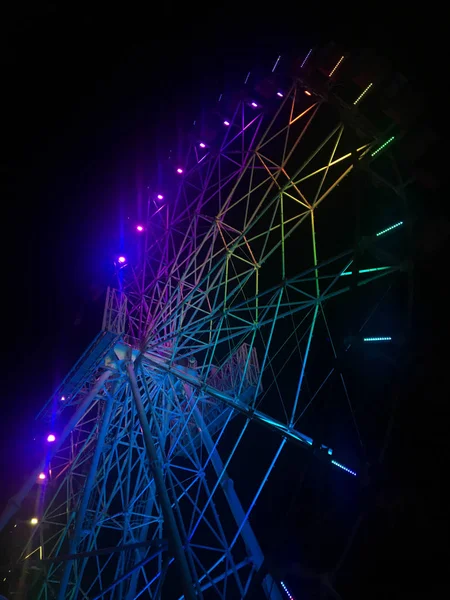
336 66
307 93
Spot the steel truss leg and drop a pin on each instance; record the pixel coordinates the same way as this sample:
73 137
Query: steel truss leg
271 589
90 482
15 503
175 543
143 536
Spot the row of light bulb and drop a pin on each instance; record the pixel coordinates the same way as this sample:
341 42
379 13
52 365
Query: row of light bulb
51 437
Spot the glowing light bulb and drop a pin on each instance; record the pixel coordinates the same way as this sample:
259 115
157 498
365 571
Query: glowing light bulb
51 437
42 476
279 94
226 123
160 197
139 228
307 92
254 105
202 145
179 170
63 398
122 259
34 521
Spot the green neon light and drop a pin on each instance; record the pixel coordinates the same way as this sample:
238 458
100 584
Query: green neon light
378 339
365 270
391 139
383 231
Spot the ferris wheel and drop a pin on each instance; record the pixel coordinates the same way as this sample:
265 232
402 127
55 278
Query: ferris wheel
260 306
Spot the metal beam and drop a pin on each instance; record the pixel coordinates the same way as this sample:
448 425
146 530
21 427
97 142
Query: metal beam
81 513
254 551
258 416
175 543
160 545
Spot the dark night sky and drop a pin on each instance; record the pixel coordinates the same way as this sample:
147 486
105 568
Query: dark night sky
89 99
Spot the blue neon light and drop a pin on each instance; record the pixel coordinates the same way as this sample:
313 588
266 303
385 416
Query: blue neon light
290 596
337 464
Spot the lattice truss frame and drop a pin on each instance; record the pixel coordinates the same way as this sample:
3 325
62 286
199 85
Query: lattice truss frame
231 291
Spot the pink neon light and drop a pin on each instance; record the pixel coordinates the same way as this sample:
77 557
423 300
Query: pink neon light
122 259
279 94
226 123
42 476
160 197
202 145
139 228
63 398
51 437
179 170
254 105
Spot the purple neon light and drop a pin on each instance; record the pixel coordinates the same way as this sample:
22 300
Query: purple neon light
139 228
202 145
305 59
226 123
160 197
42 476
279 94
51 437
179 170
254 105
122 259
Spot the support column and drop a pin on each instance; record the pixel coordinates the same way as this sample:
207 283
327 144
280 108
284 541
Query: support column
270 587
81 513
173 535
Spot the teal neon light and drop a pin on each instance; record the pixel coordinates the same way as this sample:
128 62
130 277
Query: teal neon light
389 228
388 141
377 339
365 271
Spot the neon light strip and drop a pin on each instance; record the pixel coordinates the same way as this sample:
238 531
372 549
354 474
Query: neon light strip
276 63
347 470
283 585
336 66
305 59
383 231
365 270
377 339
362 94
383 145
